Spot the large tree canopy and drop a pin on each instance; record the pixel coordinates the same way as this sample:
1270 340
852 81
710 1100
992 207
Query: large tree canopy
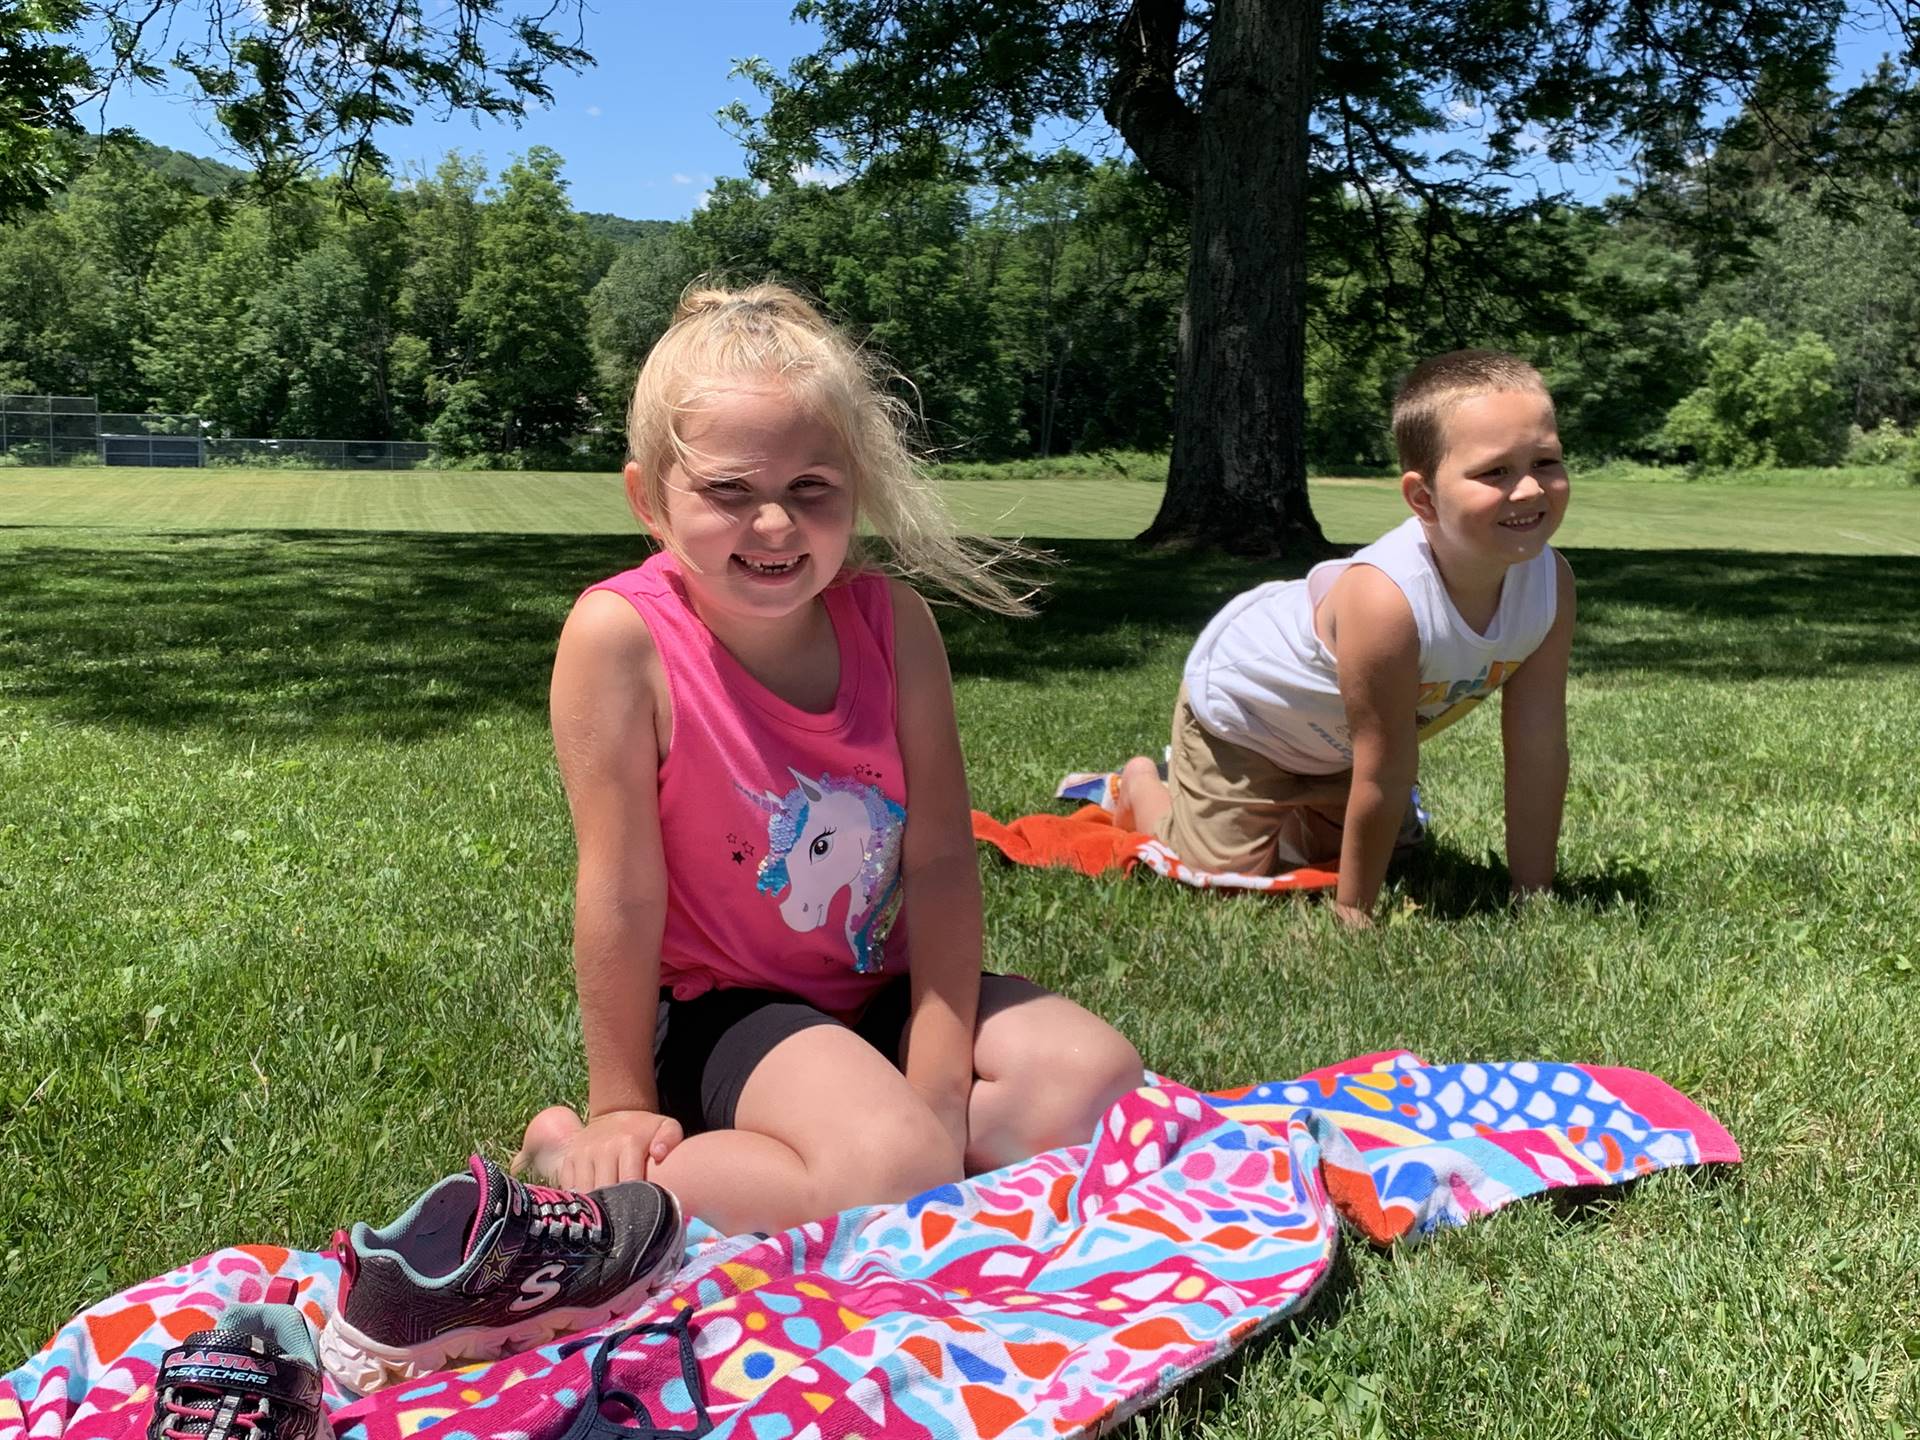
1274 121
299 85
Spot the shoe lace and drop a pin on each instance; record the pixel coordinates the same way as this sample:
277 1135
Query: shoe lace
219 1414
563 1214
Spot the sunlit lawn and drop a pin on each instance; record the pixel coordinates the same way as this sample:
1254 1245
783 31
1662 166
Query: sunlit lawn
284 876
1803 515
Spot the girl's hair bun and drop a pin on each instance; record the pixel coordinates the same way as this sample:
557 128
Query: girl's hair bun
751 308
702 301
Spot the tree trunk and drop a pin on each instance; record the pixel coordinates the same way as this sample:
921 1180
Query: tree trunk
1238 476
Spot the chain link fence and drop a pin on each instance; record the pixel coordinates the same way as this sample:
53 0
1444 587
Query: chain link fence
49 429
318 454
72 430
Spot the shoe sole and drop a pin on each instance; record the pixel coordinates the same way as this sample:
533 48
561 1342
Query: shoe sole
365 1365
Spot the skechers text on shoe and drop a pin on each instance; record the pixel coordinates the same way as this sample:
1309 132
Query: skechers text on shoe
254 1375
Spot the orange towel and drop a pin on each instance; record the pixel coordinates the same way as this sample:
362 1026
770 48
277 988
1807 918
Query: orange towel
1089 841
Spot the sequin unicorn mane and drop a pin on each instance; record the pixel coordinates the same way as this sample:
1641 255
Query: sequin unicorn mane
825 836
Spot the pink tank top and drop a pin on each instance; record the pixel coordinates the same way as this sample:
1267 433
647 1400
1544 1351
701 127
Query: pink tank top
781 828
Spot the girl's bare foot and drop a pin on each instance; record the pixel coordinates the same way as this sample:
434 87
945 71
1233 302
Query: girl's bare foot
547 1134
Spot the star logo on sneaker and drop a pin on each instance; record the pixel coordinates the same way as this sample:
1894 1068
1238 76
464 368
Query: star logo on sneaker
539 1287
491 1271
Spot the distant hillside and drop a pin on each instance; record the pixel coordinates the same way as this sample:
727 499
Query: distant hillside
207 177
211 177
617 231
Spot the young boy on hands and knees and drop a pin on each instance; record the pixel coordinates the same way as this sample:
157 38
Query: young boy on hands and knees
1296 735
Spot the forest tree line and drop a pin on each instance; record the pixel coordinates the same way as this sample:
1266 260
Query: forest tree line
1036 317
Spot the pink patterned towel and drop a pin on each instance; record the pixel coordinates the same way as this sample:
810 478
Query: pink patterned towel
1054 1297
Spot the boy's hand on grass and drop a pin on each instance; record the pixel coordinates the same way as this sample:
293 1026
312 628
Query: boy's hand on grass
611 1148
1352 916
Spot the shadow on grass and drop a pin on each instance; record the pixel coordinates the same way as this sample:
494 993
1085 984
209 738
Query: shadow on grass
1212 1394
1714 614
291 633
1452 885
407 635
1594 1205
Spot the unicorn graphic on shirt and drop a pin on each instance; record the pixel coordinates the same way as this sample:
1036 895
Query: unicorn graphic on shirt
829 835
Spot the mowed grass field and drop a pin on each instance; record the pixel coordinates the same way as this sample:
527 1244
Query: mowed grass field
285 884
1659 515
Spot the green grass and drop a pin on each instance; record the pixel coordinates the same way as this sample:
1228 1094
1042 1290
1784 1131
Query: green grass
482 502
1090 502
1822 477
1143 466
282 848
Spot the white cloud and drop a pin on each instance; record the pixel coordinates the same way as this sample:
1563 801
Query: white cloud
594 110
700 203
818 175
680 179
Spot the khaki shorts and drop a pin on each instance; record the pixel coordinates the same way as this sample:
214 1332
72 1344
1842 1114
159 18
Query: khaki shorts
1235 810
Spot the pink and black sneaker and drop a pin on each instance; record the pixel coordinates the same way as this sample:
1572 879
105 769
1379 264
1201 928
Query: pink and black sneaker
483 1265
255 1374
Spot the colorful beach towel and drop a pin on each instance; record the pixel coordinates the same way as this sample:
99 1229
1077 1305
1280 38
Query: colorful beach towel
1054 1297
1089 841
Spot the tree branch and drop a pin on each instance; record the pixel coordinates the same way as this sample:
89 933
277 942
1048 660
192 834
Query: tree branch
1145 104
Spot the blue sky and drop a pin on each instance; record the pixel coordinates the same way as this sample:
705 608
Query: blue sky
638 130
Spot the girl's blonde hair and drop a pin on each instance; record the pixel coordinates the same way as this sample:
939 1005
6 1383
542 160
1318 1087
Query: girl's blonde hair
720 337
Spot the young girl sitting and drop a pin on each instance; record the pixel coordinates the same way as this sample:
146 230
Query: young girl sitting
777 927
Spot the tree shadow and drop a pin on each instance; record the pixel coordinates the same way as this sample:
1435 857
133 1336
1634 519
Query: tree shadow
1107 605
1714 614
286 633
406 635
1742 615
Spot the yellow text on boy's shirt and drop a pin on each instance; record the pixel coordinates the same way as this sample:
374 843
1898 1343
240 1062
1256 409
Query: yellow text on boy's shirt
1459 696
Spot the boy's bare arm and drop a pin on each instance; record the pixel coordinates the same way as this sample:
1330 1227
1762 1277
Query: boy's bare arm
1533 732
1377 657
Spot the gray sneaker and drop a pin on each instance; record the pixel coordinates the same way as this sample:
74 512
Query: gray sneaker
253 1374
483 1265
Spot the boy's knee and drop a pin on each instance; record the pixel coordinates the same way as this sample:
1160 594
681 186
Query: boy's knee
1140 771
1141 795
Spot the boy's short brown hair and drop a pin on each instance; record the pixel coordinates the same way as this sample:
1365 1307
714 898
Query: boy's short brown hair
1429 395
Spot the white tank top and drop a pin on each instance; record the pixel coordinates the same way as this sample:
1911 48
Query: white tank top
1259 676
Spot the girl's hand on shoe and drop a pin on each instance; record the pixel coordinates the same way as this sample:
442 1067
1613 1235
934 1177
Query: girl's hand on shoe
617 1146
